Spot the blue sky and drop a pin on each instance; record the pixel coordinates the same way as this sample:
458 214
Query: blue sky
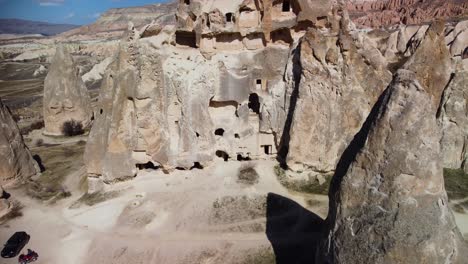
78 12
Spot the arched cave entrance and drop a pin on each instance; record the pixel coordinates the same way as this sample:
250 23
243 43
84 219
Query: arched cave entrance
147 166
222 154
219 132
242 158
254 103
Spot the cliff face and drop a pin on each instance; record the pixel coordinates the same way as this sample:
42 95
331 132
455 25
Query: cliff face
387 200
377 13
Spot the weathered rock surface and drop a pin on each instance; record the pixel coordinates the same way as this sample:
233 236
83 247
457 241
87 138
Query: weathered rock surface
387 200
16 160
97 72
165 102
453 119
65 95
334 81
113 22
377 13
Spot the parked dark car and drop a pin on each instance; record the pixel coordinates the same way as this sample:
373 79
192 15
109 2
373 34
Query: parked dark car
15 244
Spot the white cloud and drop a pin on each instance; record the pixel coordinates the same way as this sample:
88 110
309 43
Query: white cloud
51 2
70 15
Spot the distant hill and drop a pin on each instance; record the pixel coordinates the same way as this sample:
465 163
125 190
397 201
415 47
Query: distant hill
23 27
114 22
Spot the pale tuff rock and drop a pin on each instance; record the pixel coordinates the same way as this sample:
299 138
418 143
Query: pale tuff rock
97 72
453 119
403 42
333 82
40 71
431 62
388 203
16 160
387 200
65 95
165 103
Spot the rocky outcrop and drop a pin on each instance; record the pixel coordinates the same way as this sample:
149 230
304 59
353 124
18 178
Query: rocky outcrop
175 98
453 119
333 82
66 98
16 160
387 200
97 72
378 13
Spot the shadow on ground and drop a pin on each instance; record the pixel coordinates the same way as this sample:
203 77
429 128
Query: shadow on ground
293 231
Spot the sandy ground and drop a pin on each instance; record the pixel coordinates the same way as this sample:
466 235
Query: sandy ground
157 218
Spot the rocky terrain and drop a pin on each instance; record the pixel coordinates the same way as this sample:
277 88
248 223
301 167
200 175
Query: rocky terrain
239 132
384 13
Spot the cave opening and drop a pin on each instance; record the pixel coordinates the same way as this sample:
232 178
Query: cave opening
254 103
219 132
229 17
236 135
187 2
101 111
197 165
187 39
198 135
259 84
267 149
286 6
222 154
147 166
242 158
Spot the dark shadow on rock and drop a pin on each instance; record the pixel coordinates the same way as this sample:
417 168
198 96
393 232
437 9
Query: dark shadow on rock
286 136
293 231
38 159
350 153
5 195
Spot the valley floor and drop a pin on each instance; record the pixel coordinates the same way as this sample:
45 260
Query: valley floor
196 216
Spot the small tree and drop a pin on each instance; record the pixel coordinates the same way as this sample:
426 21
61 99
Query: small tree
72 128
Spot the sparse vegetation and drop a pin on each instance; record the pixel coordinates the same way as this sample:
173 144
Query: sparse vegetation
94 198
456 183
231 209
262 256
303 185
58 162
33 126
247 175
15 212
72 128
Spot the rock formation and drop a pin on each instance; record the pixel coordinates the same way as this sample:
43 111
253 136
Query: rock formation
453 119
65 95
16 160
377 13
387 201
113 23
334 81
213 87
